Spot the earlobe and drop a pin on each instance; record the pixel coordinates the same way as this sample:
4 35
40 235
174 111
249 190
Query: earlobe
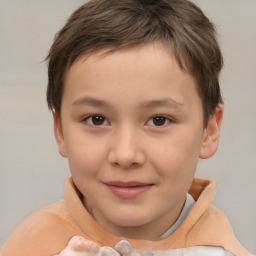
58 133
212 134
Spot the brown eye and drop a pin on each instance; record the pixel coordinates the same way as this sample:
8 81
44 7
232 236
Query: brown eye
96 120
159 120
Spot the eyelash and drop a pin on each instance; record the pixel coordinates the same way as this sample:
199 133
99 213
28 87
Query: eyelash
166 120
102 119
87 118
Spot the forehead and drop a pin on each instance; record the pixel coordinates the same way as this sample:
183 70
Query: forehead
141 71
142 57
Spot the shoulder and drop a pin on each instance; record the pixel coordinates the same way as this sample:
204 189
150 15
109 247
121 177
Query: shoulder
214 229
213 220
44 232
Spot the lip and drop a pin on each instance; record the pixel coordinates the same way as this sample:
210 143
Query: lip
128 190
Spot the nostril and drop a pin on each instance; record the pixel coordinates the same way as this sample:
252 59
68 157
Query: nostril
126 159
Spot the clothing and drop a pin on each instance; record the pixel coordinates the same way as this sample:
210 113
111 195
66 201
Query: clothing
47 231
186 208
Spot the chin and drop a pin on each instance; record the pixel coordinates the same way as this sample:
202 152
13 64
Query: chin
130 220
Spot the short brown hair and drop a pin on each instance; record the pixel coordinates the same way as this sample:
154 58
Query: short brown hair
114 24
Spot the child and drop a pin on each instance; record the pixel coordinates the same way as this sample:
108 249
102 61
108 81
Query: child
133 87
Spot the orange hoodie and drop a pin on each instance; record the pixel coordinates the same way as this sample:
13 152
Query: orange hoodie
47 231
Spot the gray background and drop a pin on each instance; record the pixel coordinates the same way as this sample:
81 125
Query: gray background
32 174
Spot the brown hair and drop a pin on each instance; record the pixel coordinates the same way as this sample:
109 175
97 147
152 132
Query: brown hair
114 24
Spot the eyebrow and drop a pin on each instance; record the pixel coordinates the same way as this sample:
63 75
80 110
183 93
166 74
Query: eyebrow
167 102
88 101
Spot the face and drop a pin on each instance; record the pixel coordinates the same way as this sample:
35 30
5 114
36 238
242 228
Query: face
132 130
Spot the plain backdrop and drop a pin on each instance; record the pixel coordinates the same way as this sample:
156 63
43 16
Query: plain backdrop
32 174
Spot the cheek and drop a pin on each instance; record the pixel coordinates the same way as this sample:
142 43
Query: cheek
85 157
85 163
176 157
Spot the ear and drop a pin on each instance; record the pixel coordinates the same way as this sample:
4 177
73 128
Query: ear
212 134
58 133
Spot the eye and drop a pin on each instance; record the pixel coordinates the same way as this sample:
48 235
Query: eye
96 120
159 121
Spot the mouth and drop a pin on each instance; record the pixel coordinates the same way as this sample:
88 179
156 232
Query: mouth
128 190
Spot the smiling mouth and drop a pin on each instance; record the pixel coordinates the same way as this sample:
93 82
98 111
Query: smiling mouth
128 190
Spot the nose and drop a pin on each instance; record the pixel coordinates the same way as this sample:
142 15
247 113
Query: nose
126 149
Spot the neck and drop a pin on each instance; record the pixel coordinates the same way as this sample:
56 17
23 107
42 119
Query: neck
150 231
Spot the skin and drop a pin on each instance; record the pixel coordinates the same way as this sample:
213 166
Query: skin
148 129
